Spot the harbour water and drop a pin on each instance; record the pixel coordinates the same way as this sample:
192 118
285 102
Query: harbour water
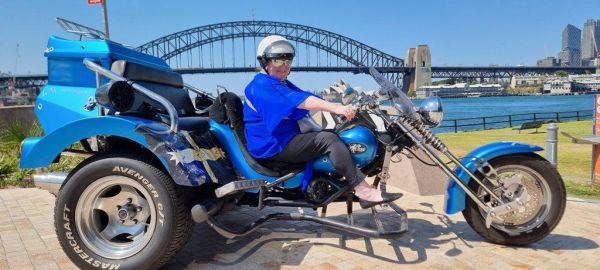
460 108
457 108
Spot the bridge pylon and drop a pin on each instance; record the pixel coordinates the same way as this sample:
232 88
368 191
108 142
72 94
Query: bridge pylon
420 59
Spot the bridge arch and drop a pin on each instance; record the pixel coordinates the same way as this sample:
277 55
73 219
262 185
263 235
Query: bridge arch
349 50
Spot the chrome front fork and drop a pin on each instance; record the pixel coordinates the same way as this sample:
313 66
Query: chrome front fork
429 143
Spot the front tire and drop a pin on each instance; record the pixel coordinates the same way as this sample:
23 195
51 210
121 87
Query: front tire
543 209
116 211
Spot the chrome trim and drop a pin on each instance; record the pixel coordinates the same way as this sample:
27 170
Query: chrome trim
173 117
431 153
431 111
195 90
76 153
50 182
116 217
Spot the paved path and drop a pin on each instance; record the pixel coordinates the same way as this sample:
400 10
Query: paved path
434 241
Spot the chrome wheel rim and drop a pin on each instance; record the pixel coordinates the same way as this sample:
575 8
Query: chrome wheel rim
115 217
536 206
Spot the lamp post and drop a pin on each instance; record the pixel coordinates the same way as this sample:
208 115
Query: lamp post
104 15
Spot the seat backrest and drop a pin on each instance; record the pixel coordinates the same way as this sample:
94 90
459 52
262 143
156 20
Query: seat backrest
245 164
166 83
228 108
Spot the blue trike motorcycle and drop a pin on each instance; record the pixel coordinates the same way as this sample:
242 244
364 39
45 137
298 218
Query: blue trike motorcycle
156 164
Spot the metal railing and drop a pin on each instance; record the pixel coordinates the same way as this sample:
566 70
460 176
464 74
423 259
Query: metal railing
510 120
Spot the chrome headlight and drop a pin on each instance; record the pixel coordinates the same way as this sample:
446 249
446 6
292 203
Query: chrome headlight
431 111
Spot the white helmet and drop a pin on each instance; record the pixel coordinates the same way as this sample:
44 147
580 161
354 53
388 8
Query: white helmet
274 46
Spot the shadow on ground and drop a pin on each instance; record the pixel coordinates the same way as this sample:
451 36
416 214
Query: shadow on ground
288 243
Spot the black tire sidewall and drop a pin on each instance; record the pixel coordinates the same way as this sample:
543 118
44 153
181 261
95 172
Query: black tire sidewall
558 203
152 179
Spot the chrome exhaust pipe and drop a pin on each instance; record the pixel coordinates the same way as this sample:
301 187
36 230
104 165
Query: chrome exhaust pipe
50 181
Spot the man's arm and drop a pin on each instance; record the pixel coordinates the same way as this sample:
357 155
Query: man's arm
314 103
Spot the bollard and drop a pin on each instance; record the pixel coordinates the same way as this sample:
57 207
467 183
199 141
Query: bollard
552 143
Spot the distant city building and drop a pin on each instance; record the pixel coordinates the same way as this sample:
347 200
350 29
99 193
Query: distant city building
570 54
587 86
590 62
557 87
523 81
548 62
585 83
460 90
584 77
590 39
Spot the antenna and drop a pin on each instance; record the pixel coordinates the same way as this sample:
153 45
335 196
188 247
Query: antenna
594 42
16 63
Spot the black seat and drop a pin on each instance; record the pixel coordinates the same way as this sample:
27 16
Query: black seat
144 73
194 123
232 107
164 82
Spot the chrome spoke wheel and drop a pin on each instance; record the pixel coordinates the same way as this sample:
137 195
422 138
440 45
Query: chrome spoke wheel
516 180
115 217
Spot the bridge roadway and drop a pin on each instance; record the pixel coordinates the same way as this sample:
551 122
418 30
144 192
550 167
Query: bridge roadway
39 80
436 72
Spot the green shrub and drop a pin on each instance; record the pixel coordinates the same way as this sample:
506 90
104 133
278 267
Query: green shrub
7 165
10 141
15 132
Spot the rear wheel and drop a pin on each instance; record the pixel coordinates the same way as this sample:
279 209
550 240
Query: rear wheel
116 211
541 190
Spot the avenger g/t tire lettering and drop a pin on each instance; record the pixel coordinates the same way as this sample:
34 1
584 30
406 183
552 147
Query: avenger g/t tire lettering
118 212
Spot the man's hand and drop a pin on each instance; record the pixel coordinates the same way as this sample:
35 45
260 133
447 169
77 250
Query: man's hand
349 111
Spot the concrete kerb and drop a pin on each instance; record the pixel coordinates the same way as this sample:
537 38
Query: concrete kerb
575 199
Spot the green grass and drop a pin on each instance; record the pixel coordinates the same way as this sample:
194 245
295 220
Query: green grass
574 160
583 190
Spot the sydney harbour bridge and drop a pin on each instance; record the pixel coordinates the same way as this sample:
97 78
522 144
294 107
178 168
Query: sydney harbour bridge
231 46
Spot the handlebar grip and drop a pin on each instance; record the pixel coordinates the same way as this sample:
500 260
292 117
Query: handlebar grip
340 119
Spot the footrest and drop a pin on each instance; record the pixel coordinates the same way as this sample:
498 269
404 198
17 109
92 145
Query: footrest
236 186
391 222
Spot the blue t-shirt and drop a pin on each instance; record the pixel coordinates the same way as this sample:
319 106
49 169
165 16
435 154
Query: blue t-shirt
271 117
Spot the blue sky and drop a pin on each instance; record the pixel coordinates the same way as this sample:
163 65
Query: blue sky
508 32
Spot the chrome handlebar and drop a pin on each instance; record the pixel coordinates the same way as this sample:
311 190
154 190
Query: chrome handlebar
173 117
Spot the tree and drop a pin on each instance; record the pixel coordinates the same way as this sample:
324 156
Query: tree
561 73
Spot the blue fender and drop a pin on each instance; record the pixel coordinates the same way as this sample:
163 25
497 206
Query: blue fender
41 151
455 196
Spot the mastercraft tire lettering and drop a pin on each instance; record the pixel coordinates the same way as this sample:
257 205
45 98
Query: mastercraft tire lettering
118 212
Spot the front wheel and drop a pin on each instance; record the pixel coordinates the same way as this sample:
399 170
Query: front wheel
543 206
118 212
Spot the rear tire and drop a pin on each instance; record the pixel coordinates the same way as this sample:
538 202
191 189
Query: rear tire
545 214
117 211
